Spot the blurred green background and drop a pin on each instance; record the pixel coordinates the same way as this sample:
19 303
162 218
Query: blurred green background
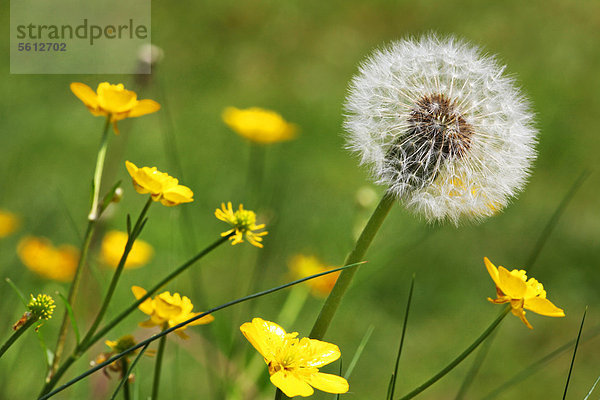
296 57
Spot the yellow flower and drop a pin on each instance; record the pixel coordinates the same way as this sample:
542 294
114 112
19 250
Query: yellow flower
294 363
303 266
117 347
513 287
41 257
9 223
114 101
113 246
160 185
259 125
243 223
166 310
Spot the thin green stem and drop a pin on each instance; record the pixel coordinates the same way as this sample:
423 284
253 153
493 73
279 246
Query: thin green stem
16 334
125 377
460 358
86 344
93 215
402 336
62 336
360 248
159 357
92 218
47 394
279 395
113 283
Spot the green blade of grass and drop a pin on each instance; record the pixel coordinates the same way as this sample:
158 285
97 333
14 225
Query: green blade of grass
48 354
128 372
536 366
358 352
574 353
71 317
592 389
337 396
17 291
392 386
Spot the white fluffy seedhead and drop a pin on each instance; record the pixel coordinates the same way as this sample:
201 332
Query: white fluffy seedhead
442 127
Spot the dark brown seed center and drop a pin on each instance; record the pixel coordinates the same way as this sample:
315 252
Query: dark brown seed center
437 132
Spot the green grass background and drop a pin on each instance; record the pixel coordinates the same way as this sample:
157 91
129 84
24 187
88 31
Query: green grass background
296 57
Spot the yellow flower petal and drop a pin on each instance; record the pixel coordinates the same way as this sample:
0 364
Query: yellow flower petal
9 223
41 257
115 98
160 185
322 353
510 284
113 246
146 307
291 385
144 107
85 94
259 125
543 306
265 336
492 270
328 383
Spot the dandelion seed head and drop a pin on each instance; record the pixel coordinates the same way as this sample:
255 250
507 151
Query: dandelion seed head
442 127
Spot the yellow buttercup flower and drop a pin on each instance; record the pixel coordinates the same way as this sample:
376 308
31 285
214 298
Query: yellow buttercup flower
303 266
243 223
114 101
116 347
113 246
41 257
9 223
160 185
513 287
166 310
259 125
294 363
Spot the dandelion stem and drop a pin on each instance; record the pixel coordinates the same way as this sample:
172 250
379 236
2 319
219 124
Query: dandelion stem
360 248
113 283
460 358
86 344
62 336
16 334
159 356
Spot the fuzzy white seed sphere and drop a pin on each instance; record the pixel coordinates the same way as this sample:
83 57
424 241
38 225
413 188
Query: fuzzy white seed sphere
441 127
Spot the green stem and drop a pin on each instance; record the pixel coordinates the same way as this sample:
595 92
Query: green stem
360 248
159 356
16 334
278 395
113 283
93 215
62 336
460 358
125 369
86 344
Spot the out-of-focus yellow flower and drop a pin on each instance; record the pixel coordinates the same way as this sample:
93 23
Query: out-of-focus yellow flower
513 287
9 223
117 347
114 101
243 223
259 125
113 246
303 266
166 310
294 363
41 257
160 185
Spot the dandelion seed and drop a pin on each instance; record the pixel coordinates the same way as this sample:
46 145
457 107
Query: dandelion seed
243 223
166 310
513 287
41 257
294 363
442 127
114 101
160 185
113 246
259 125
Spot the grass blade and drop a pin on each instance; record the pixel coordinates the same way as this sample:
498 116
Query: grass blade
71 317
359 351
17 291
574 353
592 389
392 387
